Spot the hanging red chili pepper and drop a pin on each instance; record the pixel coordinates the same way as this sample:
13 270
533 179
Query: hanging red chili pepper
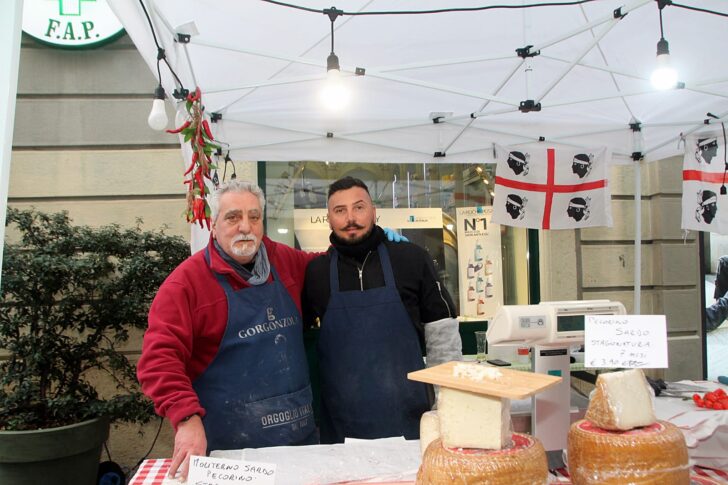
197 131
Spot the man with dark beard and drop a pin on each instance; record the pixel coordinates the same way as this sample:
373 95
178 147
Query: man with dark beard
223 357
379 305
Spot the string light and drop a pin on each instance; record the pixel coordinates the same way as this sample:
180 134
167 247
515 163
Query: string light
664 76
335 95
157 119
158 116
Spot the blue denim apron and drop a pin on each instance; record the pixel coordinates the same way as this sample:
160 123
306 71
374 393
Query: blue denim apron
367 346
256 391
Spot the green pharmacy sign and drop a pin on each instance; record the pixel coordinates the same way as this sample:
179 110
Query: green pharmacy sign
70 23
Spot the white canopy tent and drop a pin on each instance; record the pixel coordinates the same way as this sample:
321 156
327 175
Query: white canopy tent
262 65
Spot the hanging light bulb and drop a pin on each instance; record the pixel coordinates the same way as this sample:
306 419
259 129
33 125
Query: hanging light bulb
334 95
158 116
664 76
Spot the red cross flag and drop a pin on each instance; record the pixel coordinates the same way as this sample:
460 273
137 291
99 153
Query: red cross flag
703 206
552 188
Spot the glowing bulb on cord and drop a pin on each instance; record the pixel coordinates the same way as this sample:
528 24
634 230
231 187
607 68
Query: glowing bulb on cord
335 95
158 116
664 76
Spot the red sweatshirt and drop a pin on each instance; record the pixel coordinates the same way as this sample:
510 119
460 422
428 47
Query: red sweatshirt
187 321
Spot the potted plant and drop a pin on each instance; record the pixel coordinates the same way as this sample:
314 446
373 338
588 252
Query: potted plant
69 296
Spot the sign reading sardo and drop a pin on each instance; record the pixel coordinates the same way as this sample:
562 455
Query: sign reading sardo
71 23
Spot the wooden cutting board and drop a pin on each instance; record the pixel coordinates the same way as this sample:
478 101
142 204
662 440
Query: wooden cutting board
512 384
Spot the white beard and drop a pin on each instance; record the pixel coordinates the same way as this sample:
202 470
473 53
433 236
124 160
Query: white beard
246 250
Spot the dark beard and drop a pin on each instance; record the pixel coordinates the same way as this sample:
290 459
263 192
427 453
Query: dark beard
359 248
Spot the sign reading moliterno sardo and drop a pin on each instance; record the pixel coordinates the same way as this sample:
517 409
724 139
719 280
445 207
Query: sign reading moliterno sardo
222 471
70 23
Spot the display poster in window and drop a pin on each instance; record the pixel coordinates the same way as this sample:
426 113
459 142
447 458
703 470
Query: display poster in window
479 260
421 226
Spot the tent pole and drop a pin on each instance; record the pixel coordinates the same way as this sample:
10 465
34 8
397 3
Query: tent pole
637 235
10 32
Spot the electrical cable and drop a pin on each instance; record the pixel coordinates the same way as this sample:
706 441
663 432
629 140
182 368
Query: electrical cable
441 10
160 51
698 9
154 442
475 9
723 190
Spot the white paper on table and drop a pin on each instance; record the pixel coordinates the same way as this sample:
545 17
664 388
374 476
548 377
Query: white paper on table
387 459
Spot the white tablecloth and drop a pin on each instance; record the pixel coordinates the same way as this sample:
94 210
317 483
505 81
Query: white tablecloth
705 430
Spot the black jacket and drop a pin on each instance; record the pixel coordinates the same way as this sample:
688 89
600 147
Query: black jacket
424 297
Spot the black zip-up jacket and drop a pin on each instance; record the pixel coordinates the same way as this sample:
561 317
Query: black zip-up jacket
424 297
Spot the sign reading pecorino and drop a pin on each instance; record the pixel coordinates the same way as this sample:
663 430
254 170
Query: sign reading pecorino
71 23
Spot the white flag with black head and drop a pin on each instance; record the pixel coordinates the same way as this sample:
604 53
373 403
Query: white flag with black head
704 203
552 188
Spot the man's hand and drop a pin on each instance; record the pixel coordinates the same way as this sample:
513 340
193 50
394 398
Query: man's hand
394 236
189 440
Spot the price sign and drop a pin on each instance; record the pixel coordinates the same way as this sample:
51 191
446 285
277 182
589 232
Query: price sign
626 341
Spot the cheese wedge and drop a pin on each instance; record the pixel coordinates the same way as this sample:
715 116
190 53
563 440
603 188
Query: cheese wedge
470 420
621 401
429 429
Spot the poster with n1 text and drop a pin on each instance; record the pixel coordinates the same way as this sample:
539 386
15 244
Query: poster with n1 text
625 341
479 262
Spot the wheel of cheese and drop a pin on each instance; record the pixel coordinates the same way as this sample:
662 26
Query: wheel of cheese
653 455
522 463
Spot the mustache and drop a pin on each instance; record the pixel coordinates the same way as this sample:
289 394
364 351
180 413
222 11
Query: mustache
244 237
353 225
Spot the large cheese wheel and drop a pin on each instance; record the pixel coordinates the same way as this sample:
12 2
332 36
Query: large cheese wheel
522 463
653 455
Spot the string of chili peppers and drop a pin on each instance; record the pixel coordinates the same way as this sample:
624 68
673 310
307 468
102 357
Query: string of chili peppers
196 131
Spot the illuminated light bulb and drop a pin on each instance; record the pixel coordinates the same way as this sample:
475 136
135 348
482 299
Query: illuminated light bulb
335 95
664 76
158 116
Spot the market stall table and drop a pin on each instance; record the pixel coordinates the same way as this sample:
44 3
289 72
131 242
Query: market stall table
154 472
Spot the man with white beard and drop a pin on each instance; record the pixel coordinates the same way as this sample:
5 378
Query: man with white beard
223 357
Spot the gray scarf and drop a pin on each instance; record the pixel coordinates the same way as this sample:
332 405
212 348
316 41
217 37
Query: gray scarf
261 268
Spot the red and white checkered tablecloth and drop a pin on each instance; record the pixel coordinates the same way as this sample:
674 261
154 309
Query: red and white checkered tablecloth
154 472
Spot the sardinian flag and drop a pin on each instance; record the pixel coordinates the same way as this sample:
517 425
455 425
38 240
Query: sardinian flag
704 172
550 188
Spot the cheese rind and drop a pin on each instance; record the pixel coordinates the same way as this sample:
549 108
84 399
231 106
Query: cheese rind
652 455
523 463
470 420
621 401
429 429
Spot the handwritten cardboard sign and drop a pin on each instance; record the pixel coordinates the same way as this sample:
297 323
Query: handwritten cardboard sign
626 341
220 471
